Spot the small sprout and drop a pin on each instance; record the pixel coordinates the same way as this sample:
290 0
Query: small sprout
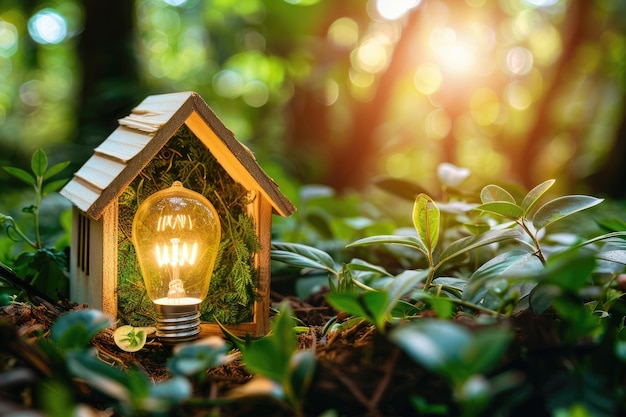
131 339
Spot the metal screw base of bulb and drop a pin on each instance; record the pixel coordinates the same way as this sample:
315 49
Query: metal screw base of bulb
177 323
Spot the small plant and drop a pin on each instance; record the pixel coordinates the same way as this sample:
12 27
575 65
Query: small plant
280 370
43 266
502 266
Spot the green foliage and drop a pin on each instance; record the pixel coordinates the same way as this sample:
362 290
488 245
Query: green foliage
281 371
193 359
460 355
44 267
510 264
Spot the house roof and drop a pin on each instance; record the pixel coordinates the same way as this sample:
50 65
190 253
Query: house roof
142 134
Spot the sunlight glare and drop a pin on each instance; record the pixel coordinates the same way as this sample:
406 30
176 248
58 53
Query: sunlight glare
541 3
395 9
455 54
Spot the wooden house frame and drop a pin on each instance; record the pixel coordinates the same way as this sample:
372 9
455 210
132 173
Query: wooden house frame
96 186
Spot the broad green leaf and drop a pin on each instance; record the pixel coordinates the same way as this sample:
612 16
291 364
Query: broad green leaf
165 395
472 242
617 255
533 196
403 284
426 221
513 264
21 175
74 330
494 193
302 364
580 393
371 306
270 356
451 350
410 241
541 297
55 169
451 282
570 271
102 377
361 265
196 357
303 256
256 387
53 186
502 208
39 163
562 207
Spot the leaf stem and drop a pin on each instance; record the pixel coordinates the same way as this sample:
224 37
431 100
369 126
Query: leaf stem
538 253
38 192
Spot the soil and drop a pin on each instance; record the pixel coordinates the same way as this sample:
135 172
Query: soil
358 373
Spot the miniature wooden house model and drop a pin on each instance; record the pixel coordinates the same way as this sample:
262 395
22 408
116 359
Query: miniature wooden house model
167 138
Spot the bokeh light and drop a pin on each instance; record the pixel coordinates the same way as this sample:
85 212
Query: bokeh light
344 32
47 27
8 38
395 9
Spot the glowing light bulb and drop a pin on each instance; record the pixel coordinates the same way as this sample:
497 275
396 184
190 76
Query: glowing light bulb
176 234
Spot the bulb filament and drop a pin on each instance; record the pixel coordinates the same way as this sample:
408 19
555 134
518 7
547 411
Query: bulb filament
176 254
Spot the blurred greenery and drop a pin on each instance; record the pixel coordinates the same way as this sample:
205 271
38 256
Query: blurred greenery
333 93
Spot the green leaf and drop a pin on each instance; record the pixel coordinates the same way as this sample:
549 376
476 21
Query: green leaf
451 350
103 377
561 207
410 241
168 394
533 196
361 265
570 271
195 358
74 330
55 169
371 306
580 393
21 175
617 255
302 365
426 219
270 356
494 193
39 163
53 186
303 256
402 284
472 242
502 208
513 264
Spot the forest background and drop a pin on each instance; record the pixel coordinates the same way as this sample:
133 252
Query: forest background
337 93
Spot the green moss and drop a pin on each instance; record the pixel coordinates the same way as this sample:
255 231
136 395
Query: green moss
234 283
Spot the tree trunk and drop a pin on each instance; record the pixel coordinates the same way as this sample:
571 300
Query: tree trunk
110 76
